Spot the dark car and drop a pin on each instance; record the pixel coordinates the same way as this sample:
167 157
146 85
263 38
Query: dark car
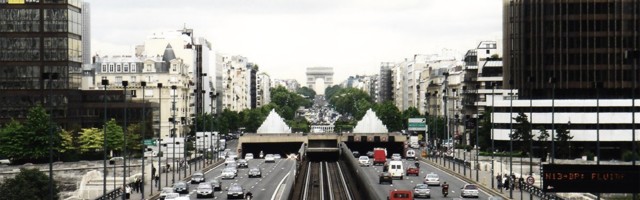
235 192
385 177
356 154
412 170
370 154
181 187
197 177
242 163
215 183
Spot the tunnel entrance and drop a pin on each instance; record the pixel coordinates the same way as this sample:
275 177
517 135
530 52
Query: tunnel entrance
282 148
323 156
363 147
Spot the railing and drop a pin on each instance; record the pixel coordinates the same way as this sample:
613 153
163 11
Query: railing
113 194
538 192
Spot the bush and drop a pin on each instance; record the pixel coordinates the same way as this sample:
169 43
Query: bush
628 156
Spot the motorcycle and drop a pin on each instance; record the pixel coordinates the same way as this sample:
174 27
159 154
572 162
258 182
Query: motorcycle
445 190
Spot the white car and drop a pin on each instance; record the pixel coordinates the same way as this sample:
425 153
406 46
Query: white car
432 179
248 156
469 190
269 158
228 173
167 191
396 156
364 161
229 160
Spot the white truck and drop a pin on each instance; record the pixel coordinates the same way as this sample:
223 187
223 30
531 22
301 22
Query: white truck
413 142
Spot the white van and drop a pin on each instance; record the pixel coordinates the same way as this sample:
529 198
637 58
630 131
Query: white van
410 155
395 169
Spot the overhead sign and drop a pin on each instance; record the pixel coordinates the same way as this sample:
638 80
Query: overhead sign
150 142
417 124
591 178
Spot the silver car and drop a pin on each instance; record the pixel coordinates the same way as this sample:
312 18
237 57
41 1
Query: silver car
469 190
197 177
421 190
228 173
235 192
166 191
396 156
254 172
204 190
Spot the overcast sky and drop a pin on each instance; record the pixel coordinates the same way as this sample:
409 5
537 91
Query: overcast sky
284 37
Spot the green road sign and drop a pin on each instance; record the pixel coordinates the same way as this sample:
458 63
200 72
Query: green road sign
150 142
417 124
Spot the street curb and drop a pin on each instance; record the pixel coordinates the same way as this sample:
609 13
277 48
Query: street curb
486 189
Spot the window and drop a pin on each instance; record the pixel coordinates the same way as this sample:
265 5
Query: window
126 67
133 67
488 51
133 93
111 68
175 67
104 67
118 68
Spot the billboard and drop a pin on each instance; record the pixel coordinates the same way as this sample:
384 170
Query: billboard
417 124
591 178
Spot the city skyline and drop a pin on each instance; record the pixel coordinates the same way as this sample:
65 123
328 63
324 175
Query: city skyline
353 37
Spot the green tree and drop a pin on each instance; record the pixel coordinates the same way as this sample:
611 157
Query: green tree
67 142
12 141
91 139
344 101
37 128
330 91
563 136
308 92
522 132
361 107
543 135
389 115
253 119
484 131
299 124
134 139
28 184
115 133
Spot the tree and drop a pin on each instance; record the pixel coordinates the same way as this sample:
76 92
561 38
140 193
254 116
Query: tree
28 184
253 119
91 139
31 142
330 91
66 144
542 139
361 107
344 101
134 140
522 132
115 133
389 115
308 92
12 141
563 136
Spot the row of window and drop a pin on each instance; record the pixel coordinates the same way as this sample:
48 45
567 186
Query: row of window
118 67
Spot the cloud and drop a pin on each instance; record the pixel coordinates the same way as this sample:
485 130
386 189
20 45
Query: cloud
284 37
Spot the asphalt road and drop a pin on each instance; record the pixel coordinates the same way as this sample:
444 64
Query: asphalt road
262 188
410 181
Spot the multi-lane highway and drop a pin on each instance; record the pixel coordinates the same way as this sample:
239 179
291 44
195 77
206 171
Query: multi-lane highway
408 182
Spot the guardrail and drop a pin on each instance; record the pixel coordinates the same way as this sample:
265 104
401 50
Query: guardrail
111 195
362 182
538 192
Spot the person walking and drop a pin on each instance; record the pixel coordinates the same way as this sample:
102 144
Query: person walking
153 171
499 181
157 179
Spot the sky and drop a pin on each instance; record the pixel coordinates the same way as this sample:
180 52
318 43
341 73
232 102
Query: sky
284 37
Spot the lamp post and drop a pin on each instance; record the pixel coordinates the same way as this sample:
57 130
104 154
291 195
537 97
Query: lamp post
124 161
201 98
50 77
493 110
173 131
211 136
597 85
444 97
531 84
160 137
477 138
510 135
553 129
105 83
144 124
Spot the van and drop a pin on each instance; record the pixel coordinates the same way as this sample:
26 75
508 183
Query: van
396 169
410 155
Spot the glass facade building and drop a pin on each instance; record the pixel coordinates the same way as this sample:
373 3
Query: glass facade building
576 43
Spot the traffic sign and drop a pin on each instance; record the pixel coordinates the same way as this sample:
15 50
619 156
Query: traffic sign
150 142
531 180
417 124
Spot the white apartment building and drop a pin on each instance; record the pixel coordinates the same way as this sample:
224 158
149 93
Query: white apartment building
238 78
263 84
291 85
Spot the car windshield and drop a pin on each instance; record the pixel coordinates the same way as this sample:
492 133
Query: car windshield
228 170
167 190
471 187
364 158
385 174
254 170
180 184
242 161
197 175
421 186
412 168
432 176
204 186
215 181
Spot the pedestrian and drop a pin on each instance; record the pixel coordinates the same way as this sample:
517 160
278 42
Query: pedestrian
168 168
157 178
521 181
127 192
506 183
499 180
153 171
138 185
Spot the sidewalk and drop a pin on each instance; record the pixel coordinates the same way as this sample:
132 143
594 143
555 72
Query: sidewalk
484 178
167 179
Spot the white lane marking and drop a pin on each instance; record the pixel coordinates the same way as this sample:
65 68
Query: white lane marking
279 185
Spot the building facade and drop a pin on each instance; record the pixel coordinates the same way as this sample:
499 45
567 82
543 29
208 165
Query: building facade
319 78
238 83
291 85
263 85
385 82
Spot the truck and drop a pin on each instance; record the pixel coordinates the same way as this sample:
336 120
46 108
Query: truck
413 142
379 156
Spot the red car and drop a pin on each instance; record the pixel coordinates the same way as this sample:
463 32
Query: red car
400 195
413 171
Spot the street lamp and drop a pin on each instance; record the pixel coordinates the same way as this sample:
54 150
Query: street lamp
531 85
105 83
510 134
160 137
173 130
493 110
552 81
477 136
50 77
446 118
144 124
124 161
598 85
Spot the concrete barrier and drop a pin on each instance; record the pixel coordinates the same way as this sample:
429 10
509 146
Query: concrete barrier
354 168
